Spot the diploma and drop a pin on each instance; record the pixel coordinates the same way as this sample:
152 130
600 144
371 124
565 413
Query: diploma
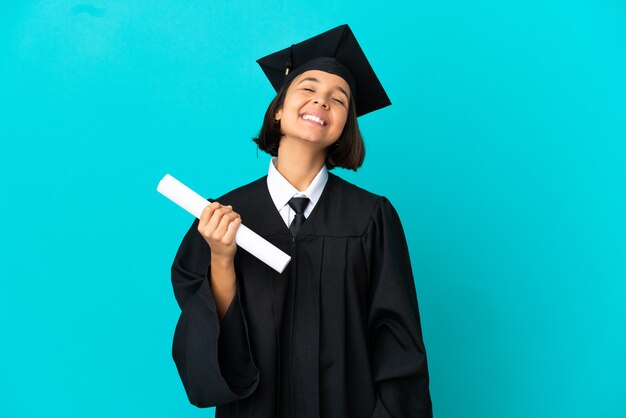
247 239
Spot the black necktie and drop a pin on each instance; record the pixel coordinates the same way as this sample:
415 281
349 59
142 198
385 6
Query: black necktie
298 204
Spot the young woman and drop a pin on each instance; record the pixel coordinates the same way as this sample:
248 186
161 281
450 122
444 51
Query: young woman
338 333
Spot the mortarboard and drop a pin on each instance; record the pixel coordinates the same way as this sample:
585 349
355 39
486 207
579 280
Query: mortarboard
337 52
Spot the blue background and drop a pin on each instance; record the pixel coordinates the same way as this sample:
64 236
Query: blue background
504 153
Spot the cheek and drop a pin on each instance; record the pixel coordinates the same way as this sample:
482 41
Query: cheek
290 107
342 118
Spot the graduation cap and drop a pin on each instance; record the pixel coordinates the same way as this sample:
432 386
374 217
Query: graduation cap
337 52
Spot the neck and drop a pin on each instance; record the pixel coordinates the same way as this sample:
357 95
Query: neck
299 163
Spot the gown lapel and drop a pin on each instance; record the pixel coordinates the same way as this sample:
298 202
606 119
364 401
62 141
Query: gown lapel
296 300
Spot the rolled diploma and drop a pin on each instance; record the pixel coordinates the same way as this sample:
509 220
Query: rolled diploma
247 239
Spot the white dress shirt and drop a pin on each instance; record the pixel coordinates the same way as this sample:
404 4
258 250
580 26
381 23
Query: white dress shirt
282 191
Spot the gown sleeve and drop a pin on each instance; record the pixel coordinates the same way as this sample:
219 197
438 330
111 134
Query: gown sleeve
397 352
213 357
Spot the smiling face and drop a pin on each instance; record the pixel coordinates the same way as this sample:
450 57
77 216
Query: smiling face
315 108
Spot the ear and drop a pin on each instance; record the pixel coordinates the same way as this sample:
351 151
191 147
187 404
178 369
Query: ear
279 114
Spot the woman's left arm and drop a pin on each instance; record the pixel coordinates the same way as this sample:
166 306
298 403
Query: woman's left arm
397 352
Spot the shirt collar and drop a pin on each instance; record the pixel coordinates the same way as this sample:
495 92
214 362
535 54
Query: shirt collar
282 191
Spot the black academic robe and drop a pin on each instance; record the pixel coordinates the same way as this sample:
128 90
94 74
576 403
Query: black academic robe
337 334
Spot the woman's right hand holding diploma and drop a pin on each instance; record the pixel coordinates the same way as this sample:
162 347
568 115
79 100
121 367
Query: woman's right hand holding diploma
218 225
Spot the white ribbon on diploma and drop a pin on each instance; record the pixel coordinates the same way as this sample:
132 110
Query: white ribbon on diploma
250 241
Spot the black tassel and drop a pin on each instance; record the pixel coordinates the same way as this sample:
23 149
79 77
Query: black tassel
289 60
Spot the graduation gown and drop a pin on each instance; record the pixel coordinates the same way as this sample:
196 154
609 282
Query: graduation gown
337 334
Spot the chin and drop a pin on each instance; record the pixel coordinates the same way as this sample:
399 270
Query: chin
322 144
312 140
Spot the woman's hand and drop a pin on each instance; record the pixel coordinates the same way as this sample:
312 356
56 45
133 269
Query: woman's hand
218 225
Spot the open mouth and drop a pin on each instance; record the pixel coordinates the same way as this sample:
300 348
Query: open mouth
315 119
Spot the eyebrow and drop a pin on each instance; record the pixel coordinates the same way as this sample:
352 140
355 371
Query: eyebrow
341 89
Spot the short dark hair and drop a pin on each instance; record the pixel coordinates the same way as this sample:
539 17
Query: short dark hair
348 152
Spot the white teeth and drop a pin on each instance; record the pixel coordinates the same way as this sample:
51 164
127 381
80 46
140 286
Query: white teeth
314 119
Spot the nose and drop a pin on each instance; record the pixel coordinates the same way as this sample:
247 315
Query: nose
321 101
